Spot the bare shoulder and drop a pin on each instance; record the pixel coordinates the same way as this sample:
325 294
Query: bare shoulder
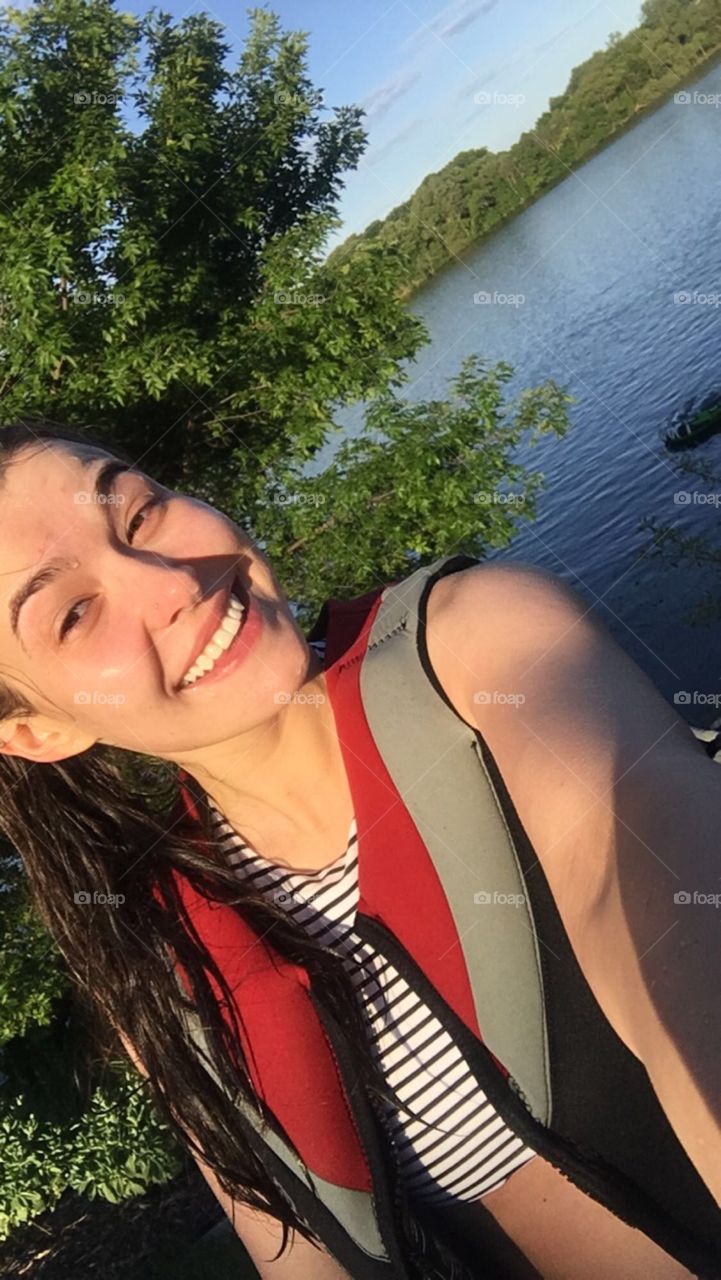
516 622
574 725
492 618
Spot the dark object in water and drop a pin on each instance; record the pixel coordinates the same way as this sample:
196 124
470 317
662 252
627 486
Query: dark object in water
694 430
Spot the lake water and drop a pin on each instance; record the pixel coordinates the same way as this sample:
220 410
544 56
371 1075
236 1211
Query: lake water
599 260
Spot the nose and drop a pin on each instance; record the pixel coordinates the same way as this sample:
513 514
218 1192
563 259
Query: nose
156 590
164 591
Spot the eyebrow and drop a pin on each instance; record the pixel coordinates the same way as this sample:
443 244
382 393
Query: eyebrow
103 483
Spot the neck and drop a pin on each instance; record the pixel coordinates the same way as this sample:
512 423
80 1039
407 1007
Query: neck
285 781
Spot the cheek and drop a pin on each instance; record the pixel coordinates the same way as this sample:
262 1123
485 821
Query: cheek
116 671
190 530
195 534
103 710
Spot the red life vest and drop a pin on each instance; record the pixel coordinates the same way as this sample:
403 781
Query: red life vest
283 1013
541 1048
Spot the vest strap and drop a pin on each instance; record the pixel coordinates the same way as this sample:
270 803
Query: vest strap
443 877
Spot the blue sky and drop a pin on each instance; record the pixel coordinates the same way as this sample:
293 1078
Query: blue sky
435 78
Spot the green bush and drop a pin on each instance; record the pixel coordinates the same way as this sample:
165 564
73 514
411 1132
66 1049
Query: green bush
115 1150
120 1146
69 1119
32 977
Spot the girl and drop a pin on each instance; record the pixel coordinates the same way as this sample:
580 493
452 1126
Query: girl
418 958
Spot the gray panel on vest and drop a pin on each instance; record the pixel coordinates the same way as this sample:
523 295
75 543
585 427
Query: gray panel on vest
442 779
352 1209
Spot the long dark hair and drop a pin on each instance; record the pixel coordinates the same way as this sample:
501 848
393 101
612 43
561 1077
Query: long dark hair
101 821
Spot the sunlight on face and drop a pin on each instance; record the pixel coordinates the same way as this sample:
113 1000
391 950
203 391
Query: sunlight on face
134 581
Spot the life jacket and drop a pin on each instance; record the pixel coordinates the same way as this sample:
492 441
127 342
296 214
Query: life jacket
452 893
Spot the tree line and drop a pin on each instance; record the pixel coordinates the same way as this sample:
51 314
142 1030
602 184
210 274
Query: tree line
479 189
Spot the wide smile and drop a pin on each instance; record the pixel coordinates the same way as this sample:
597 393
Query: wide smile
222 648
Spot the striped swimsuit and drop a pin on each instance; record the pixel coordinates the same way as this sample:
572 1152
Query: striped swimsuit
461 1148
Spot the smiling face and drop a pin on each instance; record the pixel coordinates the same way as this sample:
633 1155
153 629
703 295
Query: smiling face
136 584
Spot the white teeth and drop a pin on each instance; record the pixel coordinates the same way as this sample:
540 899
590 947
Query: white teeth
219 642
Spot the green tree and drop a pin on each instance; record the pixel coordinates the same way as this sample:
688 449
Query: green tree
156 281
426 477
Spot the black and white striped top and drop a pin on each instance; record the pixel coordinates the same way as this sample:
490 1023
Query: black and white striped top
460 1149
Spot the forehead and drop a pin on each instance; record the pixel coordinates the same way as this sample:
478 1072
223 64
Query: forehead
38 463
44 490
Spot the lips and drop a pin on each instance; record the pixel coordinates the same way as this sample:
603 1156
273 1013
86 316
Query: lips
211 624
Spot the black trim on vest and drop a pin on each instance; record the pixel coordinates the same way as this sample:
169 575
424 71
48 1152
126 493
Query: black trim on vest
609 1133
389 1223
461 1260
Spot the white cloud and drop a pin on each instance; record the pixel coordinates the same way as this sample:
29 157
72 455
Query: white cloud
377 102
455 17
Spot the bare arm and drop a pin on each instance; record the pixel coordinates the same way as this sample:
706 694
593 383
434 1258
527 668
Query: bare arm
623 809
261 1233
661 982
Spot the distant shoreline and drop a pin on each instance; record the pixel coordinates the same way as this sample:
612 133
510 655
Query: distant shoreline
698 73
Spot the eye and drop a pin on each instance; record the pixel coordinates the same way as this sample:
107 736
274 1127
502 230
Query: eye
71 619
67 625
148 506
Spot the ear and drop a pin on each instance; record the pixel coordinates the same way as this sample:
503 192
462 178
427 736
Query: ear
43 740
